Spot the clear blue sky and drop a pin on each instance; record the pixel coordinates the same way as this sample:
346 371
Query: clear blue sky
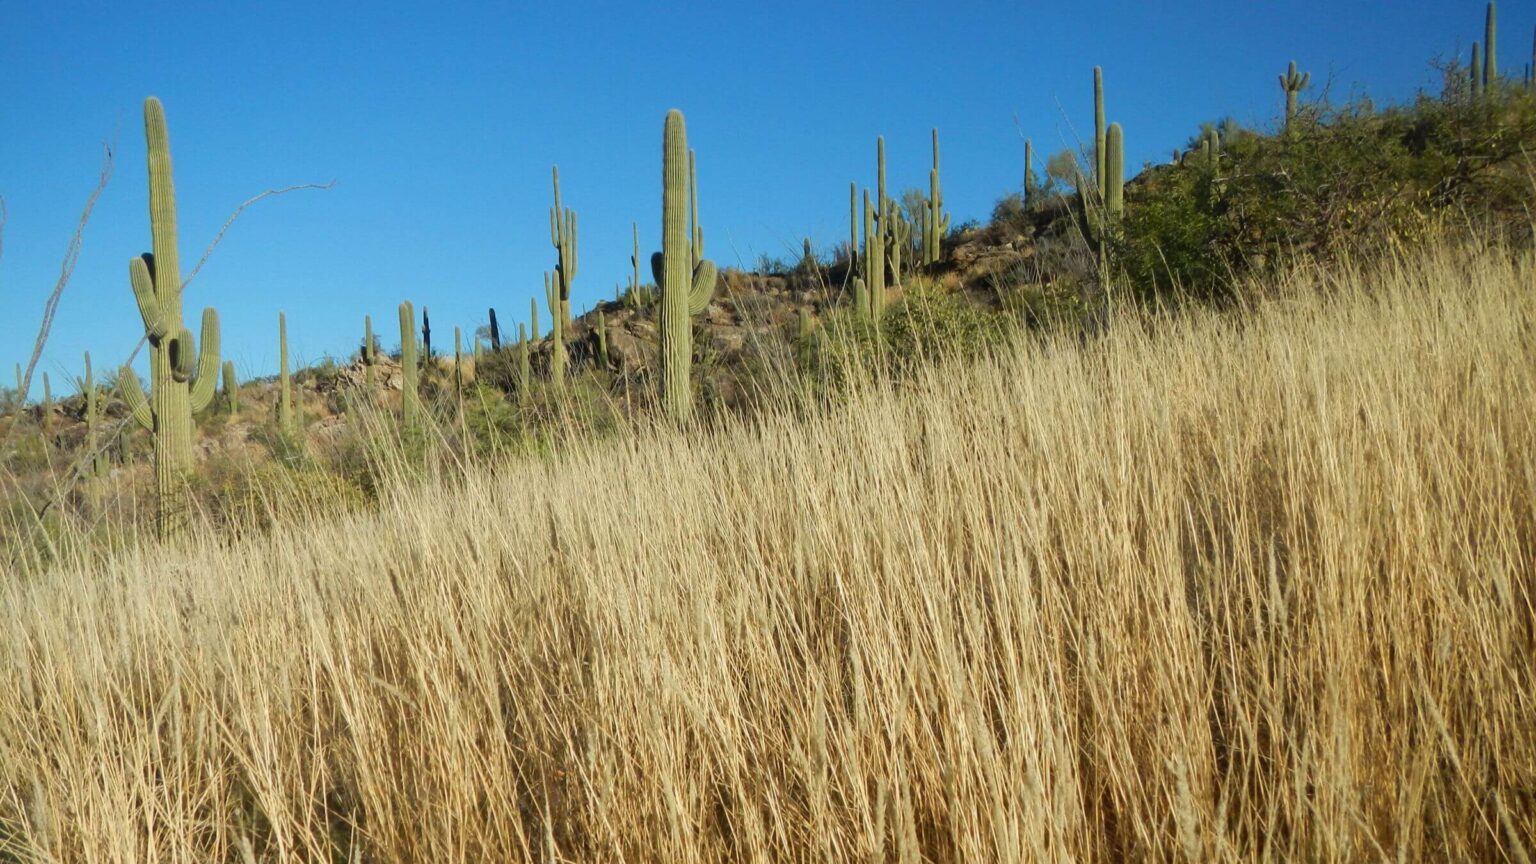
440 121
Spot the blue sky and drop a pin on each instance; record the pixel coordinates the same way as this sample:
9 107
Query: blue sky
439 123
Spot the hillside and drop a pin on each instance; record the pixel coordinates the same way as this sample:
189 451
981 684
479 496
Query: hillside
1204 587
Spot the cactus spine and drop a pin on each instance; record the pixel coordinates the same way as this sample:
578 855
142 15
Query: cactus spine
1099 131
1490 47
686 285
1293 83
1114 166
284 381
936 221
232 388
410 396
179 386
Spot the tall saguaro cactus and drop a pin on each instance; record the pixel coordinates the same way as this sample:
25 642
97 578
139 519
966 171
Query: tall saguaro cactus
410 395
179 386
1099 131
686 285
936 221
1491 46
495 332
284 381
1477 70
1293 83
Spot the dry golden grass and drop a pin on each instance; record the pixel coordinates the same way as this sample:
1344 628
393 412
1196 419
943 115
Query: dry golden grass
1225 587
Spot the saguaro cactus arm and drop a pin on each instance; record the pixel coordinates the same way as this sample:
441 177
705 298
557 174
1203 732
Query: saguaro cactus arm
133 394
207 362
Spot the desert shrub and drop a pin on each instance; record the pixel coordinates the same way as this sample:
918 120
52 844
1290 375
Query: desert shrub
1354 176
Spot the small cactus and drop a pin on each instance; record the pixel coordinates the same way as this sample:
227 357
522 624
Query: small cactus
285 420
410 395
1114 167
426 337
232 388
1293 83
458 364
686 280
602 339
1029 172
524 366
1477 70
370 352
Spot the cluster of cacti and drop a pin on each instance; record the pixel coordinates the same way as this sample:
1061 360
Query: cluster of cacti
557 285
1293 83
1210 147
686 281
410 395
179 386
285 420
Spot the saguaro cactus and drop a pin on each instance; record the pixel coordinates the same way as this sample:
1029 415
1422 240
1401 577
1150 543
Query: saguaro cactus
1293 83
1491 46
45 417
533 318
1099 131
936 221
410 396
524 366
96 463
1114 168
426 336
231 389
602 339
686 285
495 331
285 420
178 385
634 262
1029 172
370 352
21 386
1477 70
558 285
557 328
853 227
458 365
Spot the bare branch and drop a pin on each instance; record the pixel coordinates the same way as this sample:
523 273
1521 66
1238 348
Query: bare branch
66 269
236 215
